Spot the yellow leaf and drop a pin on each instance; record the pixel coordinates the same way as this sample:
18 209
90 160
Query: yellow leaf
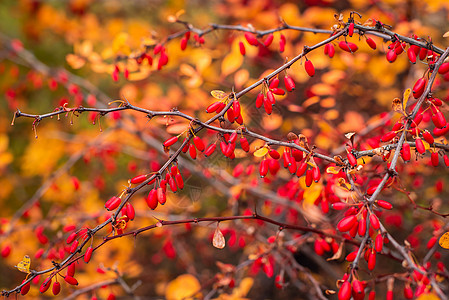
185 286
231 63
24 265
74 61
405 99
244 288
217 94
446 34
218 241
120 44
261 152
429 296
444 240
333 170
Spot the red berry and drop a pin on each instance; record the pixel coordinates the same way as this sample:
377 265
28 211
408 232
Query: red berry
435 159
374 221
88 254
420 146
56 288
71 269
268 40
161 197
418 88
138 179
352 160
71 280
346 223
242 48
351 29
152 200
184 41
345 291
251 38
309 177
384 204
405 152
45 285
371 43
348 46
170 141
289 83
26 288
411 55
198 143
210 150
71 237
388 136
444 68
310 69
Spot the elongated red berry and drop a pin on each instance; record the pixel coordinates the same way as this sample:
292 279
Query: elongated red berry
152 199
270 98
138 179
267 105
428 137
418 88
25 288
372 260
71 237
431 242
345 291
274 154
274 83
88 254
435 159
210 150
420 146
439 120
384 204
444 68
161 197
289 83
310 69
213 107
192 151
71 269
316 173
56 288
183 43
170 141
301 169
351 29
411 55
251 38
388 136
130 212
352 160
371 43
346 223
74 246
263 169
45 285
71 280
198 143
244 144
379 243
112 203
405 152
309 177
268 40
348 46
391 56
374 221
339 205
242 48
361 230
